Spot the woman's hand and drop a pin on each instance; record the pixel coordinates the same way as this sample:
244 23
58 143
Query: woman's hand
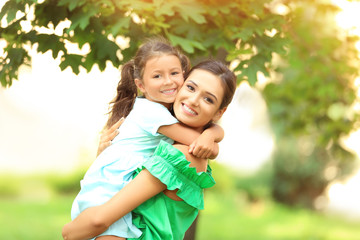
108 135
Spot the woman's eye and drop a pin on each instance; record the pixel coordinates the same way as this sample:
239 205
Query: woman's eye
191 88
209 100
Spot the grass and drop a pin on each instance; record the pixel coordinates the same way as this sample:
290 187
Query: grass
37 211
26 219
232 218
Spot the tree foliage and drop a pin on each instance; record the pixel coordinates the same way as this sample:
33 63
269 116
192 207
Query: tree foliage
311 106
200 28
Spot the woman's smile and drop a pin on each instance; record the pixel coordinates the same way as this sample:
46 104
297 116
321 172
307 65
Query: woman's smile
188 110
197 102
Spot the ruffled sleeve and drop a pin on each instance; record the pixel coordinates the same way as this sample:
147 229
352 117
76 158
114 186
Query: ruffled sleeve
170 166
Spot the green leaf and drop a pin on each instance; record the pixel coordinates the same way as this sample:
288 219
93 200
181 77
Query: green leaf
245 34
50 42
10 9
187 45
89 61
251 73
72 4
191 10
10 65
4 10
236 53
122 23
164 8
105 49
72 60
82 36
48 12
81 19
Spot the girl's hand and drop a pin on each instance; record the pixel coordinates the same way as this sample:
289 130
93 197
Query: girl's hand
108 135
204 147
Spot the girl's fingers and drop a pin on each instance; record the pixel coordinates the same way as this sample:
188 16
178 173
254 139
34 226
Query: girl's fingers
117 124
113 134
191 148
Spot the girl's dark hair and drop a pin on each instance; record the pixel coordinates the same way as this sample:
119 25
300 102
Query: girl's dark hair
127 91
228 78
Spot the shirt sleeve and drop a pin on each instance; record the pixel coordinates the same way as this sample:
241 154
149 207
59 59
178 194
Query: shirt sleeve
154 115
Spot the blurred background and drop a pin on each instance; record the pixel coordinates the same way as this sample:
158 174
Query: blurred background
288 167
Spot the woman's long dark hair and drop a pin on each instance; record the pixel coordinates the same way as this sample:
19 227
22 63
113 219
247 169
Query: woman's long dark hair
127 91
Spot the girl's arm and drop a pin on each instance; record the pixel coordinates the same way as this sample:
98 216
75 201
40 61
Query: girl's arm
95 220
202 145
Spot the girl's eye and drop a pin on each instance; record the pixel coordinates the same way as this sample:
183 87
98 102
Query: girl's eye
157 76
209 100
175 73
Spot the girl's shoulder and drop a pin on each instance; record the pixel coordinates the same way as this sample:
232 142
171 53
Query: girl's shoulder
145 104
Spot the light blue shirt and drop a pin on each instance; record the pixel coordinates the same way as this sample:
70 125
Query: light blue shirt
115 166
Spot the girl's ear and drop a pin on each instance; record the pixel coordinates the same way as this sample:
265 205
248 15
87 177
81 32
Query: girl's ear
219 114
140 85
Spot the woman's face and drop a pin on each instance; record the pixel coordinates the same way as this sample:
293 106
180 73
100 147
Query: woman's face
199 99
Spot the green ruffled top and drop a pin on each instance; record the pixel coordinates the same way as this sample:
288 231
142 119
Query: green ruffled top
162 217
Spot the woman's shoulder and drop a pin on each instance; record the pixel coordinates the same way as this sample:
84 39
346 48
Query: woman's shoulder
177 169
182 148
199 163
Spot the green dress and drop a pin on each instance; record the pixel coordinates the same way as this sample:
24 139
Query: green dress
162 217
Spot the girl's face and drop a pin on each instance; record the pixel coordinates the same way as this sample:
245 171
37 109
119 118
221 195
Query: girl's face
198 101
162 79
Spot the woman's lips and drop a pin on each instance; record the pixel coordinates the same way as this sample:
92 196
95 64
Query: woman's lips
188 110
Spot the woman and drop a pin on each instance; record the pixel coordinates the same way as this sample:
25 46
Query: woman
167 180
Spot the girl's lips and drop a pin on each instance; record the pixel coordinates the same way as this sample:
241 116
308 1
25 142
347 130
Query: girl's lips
188 110
169 91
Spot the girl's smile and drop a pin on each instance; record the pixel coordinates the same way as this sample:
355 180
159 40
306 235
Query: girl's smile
169 92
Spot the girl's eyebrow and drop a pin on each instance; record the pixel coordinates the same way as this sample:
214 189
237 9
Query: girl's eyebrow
205 91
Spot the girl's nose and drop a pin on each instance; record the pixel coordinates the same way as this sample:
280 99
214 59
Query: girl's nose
168 79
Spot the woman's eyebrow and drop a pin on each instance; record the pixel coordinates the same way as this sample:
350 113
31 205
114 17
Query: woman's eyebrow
212 95
193 82
205 91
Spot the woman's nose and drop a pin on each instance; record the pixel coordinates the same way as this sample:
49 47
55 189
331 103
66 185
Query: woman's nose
194 99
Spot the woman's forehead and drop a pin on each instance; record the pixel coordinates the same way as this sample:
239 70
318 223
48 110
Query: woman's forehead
206 81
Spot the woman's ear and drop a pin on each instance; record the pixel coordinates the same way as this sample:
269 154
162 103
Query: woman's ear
219 114
140 85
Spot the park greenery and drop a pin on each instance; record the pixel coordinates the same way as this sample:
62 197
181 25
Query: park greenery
227 29
310 63
311 104
238 207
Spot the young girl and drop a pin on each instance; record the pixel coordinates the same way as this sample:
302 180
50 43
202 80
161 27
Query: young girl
157 71
203 98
